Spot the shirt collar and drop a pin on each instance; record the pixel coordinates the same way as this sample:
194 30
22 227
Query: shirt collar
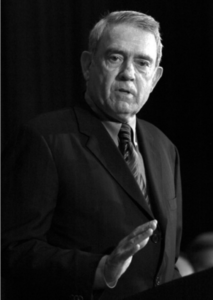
112 127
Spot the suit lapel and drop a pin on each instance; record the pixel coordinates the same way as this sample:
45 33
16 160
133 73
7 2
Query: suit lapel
101 145
153 167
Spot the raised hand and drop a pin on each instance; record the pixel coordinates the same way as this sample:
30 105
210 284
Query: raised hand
119 260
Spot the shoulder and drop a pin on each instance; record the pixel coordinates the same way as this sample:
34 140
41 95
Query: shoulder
151 135
154 132
53 122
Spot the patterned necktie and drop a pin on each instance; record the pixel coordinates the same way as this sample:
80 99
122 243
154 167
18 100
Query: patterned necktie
132 157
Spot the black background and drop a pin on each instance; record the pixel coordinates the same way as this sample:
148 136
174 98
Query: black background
41 45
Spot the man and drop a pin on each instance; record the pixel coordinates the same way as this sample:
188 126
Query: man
93 197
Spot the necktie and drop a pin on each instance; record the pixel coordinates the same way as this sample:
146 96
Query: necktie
132 157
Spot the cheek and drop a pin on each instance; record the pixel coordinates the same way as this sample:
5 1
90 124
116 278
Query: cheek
140 88
95 85
108 86
143 87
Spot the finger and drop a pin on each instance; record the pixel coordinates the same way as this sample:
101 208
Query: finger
142 244
139 230
131 247
121 256
141 237
128 244
123 251
141 240
134 242
143 228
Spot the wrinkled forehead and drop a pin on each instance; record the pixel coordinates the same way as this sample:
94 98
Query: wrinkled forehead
128 37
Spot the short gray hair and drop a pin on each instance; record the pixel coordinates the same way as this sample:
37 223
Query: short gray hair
137 19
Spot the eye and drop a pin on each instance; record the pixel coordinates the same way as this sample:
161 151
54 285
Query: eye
143 63
115 58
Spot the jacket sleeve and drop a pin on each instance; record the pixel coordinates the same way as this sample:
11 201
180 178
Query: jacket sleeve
29 199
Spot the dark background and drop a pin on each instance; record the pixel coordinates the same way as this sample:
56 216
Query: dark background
41 45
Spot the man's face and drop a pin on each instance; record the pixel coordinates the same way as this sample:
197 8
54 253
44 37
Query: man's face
122 73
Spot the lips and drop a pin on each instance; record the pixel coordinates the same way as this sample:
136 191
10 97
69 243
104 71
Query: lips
126 90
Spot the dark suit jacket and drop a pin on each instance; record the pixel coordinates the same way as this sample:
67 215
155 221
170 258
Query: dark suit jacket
69 198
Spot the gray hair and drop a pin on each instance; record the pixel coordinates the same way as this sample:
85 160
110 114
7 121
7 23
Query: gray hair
137 19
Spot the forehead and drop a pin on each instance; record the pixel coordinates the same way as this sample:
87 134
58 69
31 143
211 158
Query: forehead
127 37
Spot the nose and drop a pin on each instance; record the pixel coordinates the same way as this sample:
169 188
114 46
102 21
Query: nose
127 72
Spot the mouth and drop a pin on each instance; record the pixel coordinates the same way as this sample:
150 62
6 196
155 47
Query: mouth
126 91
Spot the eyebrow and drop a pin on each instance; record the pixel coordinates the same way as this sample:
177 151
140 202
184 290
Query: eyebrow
146 57
122 52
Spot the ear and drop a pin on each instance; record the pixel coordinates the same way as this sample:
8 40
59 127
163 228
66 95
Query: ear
158 74
86 59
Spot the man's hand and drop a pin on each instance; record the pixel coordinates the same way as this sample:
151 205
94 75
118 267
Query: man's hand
119 260
111 267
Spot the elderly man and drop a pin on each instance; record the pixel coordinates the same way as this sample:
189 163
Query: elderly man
92 204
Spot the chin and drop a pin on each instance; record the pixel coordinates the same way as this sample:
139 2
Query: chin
120 110
124 115
126 108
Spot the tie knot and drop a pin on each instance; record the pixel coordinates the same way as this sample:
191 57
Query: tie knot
125 133
125 144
